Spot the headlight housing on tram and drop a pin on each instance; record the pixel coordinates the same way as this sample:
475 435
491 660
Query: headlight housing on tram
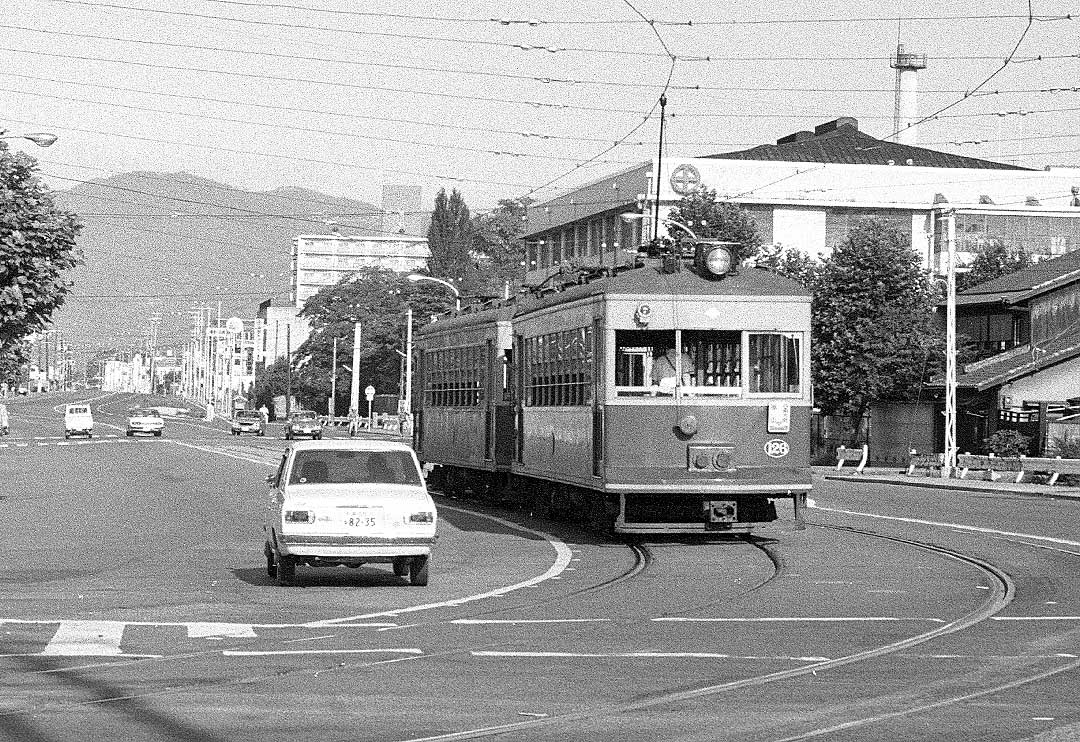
716 259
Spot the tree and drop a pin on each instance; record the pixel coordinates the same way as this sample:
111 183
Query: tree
37 249
452 241
498 240
993 261
873 336
718 220
788 262
378 300
270 382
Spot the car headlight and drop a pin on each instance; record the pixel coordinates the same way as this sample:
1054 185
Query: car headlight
299 516
425 516
718 260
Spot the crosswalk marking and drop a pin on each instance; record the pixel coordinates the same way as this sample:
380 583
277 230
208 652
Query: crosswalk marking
86 638
205 630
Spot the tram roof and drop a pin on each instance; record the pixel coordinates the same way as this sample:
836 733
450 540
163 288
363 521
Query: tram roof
649 280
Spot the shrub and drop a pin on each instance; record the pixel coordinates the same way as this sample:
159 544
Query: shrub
1066 448
1007 443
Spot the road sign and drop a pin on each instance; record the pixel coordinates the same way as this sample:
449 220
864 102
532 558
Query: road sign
369 393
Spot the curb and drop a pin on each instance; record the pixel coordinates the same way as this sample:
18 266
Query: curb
956 485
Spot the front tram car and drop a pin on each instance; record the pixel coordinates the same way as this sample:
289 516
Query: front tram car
656 400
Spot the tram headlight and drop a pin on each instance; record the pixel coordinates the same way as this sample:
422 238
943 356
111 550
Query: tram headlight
717 259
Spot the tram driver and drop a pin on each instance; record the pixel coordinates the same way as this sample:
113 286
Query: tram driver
664 370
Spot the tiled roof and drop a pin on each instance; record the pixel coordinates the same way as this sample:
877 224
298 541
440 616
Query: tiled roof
845 144
1031 281
1019 362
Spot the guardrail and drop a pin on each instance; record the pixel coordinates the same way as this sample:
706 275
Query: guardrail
844 455
928 461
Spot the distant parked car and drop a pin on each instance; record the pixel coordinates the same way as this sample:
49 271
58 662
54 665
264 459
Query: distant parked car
145 420
23 391
78 420
349 502
247 421
304 423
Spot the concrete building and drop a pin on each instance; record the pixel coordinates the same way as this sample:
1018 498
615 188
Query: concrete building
279 329
323 260
806 190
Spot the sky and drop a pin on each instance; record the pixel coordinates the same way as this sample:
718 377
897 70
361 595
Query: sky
502 100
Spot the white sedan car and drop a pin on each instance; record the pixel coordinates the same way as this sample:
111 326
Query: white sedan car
145 420
346 503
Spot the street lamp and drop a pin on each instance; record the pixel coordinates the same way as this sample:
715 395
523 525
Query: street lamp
41 139
414 277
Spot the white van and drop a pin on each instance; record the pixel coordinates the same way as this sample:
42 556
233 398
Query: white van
78 421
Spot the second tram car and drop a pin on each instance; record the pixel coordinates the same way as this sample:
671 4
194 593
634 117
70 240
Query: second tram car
659 399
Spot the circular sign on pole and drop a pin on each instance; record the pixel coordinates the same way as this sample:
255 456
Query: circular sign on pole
235 325
369 393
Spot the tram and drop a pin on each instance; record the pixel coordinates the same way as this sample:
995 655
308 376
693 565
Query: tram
668 398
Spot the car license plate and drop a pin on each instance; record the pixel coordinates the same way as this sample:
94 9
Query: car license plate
722 511
363 518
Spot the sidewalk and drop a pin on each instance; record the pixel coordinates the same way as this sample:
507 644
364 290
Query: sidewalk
974 483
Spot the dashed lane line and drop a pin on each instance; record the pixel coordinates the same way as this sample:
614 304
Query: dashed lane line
644 655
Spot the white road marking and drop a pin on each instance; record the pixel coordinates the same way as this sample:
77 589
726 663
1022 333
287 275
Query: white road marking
644 655
562 561
224 453
515 621
271 653
807 619
975 529
203 630
1035 618
86 638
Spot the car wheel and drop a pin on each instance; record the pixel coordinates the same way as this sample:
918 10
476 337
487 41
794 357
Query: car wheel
317 437
401 566
157 433
260 434
271 565
285 566
67 435
418 571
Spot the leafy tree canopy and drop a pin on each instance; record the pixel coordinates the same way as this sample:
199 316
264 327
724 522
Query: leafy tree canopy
874 339
452 240
37 249
717 220
993 260
498 241
788 262
378 300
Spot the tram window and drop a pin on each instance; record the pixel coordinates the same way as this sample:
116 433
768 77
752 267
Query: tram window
558 368
715 367
774 363
635 351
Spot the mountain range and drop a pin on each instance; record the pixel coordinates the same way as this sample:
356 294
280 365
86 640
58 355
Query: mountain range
160 244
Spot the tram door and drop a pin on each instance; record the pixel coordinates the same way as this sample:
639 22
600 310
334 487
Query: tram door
489 401
519 398
598 398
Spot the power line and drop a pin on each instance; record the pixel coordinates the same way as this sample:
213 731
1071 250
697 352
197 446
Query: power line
293 127
272 155
365 34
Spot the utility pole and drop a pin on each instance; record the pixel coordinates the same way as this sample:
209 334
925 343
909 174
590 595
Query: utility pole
288 370
950 346
659 160
354 389
333 383
408 360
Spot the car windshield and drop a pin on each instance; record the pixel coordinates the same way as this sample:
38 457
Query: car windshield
331 466
138 412
306 415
